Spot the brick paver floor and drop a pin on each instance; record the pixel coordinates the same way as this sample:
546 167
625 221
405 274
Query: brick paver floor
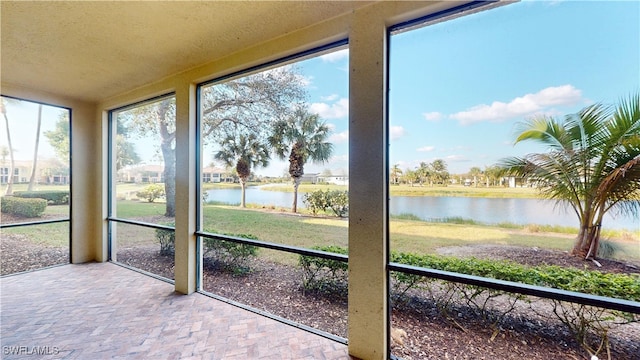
104 311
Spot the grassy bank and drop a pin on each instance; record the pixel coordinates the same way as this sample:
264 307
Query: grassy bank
407 234
417 190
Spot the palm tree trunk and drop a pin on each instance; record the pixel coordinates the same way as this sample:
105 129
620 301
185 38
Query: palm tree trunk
243 185
296 184
9 190
35 151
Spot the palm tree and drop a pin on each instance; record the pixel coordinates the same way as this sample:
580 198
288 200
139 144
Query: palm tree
396 173
302 136
424 173
593 164
439 168
245 151
475 172
34 168
3 110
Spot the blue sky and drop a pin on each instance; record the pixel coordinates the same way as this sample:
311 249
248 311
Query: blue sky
458 88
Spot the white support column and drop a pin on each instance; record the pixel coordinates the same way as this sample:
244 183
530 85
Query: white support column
368 307
185 243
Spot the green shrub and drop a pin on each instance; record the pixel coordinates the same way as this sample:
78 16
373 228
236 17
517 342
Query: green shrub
229 255
315 201
151 192
588 324
324 274
53 197
167 240
23 207
339 202
335 200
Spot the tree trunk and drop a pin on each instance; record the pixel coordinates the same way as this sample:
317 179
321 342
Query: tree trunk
169 179
169 157
243 185
35 151
296 170
296 184
587 241
9 190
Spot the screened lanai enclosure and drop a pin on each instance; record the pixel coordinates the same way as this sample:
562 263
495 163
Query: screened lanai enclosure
326 179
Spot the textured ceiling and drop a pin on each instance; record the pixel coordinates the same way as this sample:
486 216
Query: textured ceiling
94 50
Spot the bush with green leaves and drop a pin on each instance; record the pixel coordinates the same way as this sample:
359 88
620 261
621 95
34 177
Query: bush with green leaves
589 325
25 207
336 201
324 274
53 197
228 255
151 192
167 240
315 201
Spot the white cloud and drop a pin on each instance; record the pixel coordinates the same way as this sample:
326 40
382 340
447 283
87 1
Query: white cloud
426 148
339 109
432 116
396 132
523 106
339 159
332 97
335 56
456 158
339 138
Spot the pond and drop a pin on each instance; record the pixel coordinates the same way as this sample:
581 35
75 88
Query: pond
483 210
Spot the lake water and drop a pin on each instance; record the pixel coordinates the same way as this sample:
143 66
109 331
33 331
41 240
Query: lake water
484 210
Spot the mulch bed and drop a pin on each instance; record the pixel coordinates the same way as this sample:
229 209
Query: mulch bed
419 330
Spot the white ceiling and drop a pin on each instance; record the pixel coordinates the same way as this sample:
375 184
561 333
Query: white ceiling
93 50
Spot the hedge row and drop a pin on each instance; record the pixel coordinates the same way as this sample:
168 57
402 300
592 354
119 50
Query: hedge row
589 325
23 207
53 197
620 286
228 255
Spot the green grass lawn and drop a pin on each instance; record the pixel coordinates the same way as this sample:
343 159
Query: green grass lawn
406 234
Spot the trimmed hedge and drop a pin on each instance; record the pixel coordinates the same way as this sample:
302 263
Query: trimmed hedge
23 207
53 197
589 325
619 286
319 273
228 255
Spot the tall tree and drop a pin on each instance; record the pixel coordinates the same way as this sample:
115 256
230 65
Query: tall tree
475 172
396 174
302 137
246 104
592 165
424 173
34 167
3 110
249 104
159 119
125 150
59 137
411 176
440 172
245 151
